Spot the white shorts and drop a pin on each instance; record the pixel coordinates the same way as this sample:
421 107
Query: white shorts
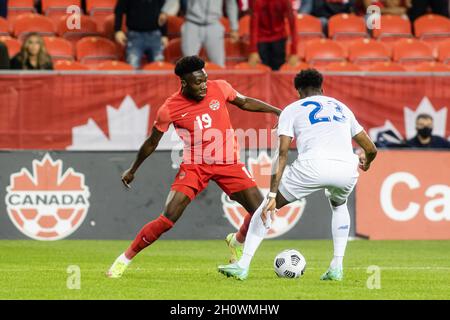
303 177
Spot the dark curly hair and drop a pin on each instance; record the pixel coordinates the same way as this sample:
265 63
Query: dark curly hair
308 78
188 64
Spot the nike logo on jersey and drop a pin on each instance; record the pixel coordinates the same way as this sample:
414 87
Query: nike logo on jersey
184 114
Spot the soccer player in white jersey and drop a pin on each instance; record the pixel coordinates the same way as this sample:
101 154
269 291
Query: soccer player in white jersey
324 128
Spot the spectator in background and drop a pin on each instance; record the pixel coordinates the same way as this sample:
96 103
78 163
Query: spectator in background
420 7
268 34
32 55
4 56
392 7
3 8
146 30
424 137
202 27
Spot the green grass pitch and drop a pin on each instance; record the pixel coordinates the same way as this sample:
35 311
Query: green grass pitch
179 270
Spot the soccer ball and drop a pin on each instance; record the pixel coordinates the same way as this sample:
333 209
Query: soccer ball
289 264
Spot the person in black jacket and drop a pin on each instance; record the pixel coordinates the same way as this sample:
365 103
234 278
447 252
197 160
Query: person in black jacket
146 29
32 55
424 137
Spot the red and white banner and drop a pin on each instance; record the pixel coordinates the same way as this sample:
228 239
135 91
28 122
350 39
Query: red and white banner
405 195
116 112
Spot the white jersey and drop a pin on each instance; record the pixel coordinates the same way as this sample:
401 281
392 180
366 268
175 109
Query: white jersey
322 126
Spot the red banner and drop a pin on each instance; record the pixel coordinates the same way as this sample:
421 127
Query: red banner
113 112
404 196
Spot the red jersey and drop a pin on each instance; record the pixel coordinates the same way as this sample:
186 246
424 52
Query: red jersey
204 126
267 22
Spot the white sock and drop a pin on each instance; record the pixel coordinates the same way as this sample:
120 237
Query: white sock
255 235
340 227
124 259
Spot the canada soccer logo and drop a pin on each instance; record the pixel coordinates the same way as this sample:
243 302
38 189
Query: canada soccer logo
285 219
47 204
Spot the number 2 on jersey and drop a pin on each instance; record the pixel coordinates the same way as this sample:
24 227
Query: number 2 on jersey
313 115
204 121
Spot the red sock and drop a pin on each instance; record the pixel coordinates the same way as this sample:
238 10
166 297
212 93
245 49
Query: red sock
148 234
242 233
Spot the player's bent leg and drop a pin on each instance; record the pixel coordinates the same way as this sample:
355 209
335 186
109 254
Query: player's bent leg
177 202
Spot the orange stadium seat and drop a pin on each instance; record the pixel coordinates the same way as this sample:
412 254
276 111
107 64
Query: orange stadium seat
431 67
17 7
366 51
386 67
432 26
4 27
212 66
244 27
246 66
88 27
12 44
31 22
105 25
100 7
95 50
323 51
300 66
59 48
343 66
393 28
444 52
235 52
411 51
66 65
173 50
114 66
344 27
174 24
55 9
159 65
308 28
226 24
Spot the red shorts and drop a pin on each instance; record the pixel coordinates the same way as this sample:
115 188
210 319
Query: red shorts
191 179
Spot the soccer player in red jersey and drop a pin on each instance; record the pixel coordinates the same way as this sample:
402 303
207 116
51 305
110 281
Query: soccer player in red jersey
200 116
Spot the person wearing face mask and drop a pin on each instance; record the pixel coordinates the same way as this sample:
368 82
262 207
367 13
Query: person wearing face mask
424 137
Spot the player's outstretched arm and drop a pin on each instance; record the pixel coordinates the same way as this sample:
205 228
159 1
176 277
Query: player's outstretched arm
145 150
254 105
370 150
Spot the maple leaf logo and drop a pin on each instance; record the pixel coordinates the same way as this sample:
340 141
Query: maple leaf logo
47 204
285 219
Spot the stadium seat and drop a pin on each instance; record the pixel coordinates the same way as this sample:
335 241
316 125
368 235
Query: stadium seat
12 44
366 51
100 7
59 48
18 7
386 67
308 28
432 26
323 51
173 50
114 66
174 24
4 27
55 9
235 52
431 67
88 27
343 66
444 52
345 27
300 66
411 51
159 65
105 25
95 50
393 28
30 22
246 66
66 65
226 24
212 66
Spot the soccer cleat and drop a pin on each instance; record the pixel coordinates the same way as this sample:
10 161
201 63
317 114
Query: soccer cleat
233 270
236 251
336 274
117 269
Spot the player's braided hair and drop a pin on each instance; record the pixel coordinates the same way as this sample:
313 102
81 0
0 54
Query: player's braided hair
188 64
308 78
